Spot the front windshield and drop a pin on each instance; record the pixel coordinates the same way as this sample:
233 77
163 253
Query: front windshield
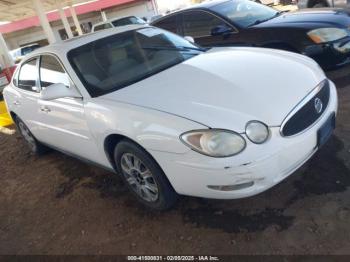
111 63
245 13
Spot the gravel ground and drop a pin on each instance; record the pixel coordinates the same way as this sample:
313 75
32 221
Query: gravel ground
59 205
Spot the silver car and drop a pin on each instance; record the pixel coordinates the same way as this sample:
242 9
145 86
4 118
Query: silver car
322 3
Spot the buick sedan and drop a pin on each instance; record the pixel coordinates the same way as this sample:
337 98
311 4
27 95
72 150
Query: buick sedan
172 118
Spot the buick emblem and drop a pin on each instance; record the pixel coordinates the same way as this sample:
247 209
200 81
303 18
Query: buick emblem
318 105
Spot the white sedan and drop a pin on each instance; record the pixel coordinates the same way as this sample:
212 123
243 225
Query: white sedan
172 118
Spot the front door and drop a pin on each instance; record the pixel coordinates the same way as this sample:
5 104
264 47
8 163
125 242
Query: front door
208 30
62 121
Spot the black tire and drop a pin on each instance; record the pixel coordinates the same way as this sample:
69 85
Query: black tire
34 145
166 195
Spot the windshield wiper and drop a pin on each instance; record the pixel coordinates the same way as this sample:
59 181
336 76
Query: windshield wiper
267 19
173 48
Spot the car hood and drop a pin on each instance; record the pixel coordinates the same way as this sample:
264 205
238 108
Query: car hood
226 87
311 18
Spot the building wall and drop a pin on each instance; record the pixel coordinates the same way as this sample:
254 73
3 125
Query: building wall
36 34
142 10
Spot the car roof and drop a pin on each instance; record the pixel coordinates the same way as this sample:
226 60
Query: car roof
63 47
207 4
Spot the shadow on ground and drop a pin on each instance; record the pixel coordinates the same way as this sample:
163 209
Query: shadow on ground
325 173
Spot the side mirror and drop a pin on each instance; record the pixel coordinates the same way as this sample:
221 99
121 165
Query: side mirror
190 39
58 91
221 30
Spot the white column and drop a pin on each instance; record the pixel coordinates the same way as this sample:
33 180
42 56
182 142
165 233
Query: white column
5 57
64 20
155 7
44 21
104 16
75 19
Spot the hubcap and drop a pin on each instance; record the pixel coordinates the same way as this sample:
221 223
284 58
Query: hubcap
139 177
27 135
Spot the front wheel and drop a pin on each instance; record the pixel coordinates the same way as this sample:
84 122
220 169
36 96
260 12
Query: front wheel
143 176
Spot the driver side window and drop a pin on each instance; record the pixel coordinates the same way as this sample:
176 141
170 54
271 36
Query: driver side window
51 72
200 24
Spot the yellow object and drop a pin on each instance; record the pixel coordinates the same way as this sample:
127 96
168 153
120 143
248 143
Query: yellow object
5 119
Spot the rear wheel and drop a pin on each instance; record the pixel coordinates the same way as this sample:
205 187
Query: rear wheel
143 176
34 145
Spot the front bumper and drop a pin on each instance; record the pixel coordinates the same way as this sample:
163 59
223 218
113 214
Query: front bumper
330 55
260 166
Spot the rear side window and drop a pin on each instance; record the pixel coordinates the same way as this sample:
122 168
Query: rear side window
51 72
169 23
102 27
28 76
200 24
15 78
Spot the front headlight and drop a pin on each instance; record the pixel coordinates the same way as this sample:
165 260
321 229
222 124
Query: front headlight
214 142
324 35
257 132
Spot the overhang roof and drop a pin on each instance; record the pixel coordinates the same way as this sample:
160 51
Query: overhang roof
21 13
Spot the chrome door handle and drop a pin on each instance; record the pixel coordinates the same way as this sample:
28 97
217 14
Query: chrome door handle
45 109
16 103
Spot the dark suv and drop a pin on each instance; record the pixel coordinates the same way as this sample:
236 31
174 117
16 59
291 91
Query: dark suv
322 34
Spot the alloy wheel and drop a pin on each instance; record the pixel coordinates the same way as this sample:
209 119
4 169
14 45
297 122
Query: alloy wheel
139 177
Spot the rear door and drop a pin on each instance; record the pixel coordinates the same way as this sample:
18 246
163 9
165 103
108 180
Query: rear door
25 95
62 121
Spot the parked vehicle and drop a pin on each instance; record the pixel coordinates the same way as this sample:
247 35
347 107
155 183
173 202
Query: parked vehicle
3 82
19 53
5 76
173 118
320 34
322 3
129 20
154 18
